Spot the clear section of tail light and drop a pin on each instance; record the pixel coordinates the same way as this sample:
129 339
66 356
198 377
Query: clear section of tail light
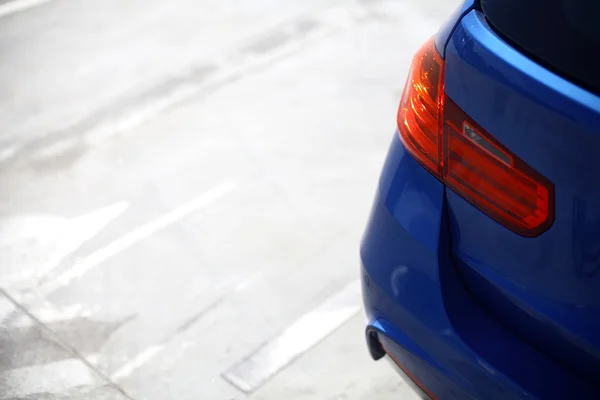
459 152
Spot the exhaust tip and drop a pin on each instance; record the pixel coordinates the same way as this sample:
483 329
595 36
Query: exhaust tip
375 348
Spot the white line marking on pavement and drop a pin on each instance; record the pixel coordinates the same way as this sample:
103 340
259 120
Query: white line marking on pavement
8 151
129 239
50 378
51 314
303 334
136 362
150 352
19 5
32 245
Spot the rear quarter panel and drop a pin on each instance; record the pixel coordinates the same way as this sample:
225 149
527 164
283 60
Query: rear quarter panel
547 288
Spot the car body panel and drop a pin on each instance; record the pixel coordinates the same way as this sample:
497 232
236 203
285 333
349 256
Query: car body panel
467 308
547 288
414 298
445 32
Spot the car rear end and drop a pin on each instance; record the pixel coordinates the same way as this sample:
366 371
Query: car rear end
482 252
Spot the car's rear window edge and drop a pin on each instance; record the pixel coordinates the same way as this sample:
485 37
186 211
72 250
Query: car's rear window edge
540 48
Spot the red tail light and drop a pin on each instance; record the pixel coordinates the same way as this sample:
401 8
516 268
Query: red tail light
421 106
459 152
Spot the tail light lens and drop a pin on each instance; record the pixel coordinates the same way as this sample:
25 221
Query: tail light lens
420 108
467 159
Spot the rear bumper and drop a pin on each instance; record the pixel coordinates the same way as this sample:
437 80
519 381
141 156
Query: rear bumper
421 314
376 340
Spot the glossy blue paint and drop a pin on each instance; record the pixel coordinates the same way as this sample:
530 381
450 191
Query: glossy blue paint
421 310
545 289
470 308
445 32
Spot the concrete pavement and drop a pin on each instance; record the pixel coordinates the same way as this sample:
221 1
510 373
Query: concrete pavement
185 186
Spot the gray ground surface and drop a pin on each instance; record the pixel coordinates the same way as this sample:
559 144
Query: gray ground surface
184 186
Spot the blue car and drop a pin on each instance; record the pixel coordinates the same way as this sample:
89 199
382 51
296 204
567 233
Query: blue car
481 257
